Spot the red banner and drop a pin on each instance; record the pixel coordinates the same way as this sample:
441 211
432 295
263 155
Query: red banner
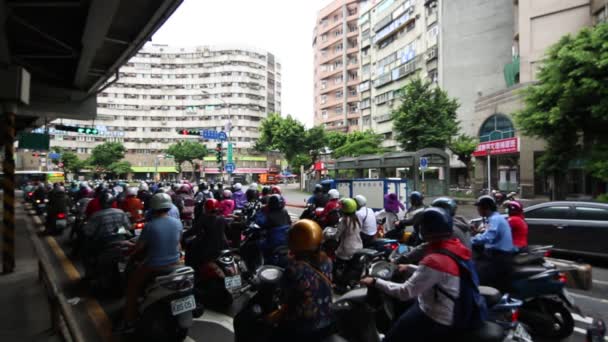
503 146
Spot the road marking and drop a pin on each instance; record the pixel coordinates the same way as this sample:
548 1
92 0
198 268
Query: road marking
600 282
576 295
100 318
584 332
218 318
586 320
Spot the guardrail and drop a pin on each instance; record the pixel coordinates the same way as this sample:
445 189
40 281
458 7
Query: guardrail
62 314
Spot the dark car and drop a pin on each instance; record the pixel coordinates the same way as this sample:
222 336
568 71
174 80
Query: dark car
571 227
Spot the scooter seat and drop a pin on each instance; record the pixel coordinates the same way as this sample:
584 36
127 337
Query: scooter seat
488 332
527 271
356 295
365 252
527 259
491 295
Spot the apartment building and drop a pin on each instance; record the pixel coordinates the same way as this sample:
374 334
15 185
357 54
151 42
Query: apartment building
164 90
336 66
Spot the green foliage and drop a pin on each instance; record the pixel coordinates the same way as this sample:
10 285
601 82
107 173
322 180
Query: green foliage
269 128
463 147
187 151
602 198
71 162
425 118
120 168
359 143
335 140
568 107
105 154
301 160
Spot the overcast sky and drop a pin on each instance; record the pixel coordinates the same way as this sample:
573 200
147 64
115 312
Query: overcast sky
283 27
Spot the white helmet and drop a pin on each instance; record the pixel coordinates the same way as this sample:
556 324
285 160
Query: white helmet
253 186
132 191
333 194
361 200
238 186
227 193
84 184
143 186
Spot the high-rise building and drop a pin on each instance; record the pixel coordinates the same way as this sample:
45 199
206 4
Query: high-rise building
336 66
164 90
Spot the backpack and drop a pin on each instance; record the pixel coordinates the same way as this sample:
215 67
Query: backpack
470 309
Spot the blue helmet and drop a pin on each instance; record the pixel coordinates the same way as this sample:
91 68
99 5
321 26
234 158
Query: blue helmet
435 224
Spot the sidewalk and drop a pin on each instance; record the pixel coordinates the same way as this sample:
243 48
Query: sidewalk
25 314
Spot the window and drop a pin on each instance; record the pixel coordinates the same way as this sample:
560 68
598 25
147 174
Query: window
554 212
591 214
323 99
323 84
496 127
339 94
324 114
324 38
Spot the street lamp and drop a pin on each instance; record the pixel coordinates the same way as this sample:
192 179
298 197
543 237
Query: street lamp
227 127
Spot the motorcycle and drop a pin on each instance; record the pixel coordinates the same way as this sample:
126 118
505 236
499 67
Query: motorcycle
168 306
57 224
347 274
219 282
40 205
252 254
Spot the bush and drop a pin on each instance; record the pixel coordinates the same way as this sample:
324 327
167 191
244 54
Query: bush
602 198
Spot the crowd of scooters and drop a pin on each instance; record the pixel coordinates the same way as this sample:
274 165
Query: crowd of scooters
340 273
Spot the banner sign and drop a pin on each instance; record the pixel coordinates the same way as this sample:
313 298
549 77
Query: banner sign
502 146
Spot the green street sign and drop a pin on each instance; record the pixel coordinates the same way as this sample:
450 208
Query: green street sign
230 152
34 141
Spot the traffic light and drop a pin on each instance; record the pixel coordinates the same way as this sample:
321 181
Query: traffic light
188 131
81 130
219 153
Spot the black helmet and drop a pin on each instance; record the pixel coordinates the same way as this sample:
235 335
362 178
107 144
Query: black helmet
251 195
486 201
435 224
265 190
106 200
416 197
202 186
318 188
275 202
447 204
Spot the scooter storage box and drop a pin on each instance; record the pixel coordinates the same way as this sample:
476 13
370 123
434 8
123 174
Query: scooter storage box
578 275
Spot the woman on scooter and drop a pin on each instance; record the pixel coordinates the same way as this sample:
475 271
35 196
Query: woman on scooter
349 232
275 220
431 317
517 222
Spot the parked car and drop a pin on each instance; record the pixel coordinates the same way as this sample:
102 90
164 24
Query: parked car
572 227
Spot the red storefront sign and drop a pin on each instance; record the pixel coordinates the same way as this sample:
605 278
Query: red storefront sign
319 166
503 146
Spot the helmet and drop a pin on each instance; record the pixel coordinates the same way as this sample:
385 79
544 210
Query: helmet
184 189
203 186
227 193
318 188
514 208
106 200
211 205
304 236
361 201
238 186
252 194
416 197
253 186
161 201
143 186
447 204
84 184
349 206
265 190
60 188
175 186
333 194
132 191
275 189
435 224
487 202
275 202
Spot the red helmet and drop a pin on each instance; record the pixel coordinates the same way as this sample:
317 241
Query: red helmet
184 189
275 190
514 208
211 205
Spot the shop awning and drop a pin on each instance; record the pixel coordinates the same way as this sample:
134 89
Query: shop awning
151 169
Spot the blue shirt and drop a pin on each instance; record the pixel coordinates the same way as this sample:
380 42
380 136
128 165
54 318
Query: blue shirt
161 236
497 235
173 212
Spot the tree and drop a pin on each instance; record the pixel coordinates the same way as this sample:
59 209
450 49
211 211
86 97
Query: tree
568 107
463 147
301 160
120 168
314 142
268 130
71 162
359 143
425 118
105 154
286 135
335 140
187 151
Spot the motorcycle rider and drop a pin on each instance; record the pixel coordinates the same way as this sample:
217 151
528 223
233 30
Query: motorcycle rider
219 192
349 231
435 280
209 237
133 205
265 194
103 224
252 206
412 217
319 198
144 195
95 204
367 220
173 212
59 202
158 247
203 193
275 190
276 221
494 265
227 204
239 196
185 202
330 214
517 222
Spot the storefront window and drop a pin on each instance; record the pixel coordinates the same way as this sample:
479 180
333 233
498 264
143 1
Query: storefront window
496 127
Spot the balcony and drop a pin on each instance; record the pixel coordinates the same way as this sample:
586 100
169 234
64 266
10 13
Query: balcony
404 70
432 53
382 80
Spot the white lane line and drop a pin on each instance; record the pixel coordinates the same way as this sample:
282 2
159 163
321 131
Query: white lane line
600 282
584 332
218 318
576 295
579 318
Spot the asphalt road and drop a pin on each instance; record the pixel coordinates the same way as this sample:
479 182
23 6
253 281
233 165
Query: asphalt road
98 314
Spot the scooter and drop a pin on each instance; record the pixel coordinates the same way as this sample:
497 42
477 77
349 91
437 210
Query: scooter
252 254
219 282
40 205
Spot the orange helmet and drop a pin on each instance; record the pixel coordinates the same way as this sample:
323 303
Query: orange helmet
304 236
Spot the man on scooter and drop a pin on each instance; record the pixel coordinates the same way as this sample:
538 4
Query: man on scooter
103 224
158 247
435 284
276 221
494 264
319 198
367 220
208 236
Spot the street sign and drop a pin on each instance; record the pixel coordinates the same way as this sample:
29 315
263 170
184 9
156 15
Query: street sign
214 135
230 167
54 155
229 157
60 165
424 163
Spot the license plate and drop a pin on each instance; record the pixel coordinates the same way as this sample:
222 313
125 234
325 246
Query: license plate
521 334
61 223
232 282
182 305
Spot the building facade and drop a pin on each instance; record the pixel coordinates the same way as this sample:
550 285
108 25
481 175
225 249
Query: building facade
164 90
537 26
336 66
